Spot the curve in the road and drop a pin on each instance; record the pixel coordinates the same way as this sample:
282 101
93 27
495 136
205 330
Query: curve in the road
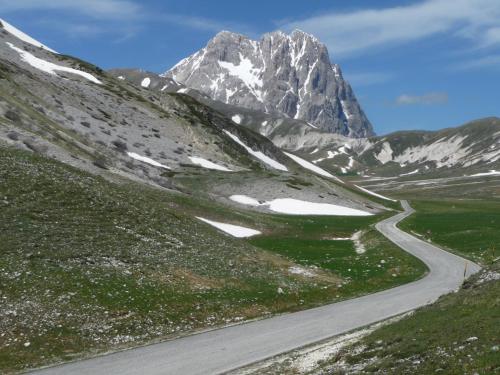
226 349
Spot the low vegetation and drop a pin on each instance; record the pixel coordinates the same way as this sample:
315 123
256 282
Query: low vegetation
88 266
371 263
470 228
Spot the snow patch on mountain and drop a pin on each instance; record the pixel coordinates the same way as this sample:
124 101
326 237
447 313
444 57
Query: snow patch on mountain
146 82
385 154
233 230
489 173
24 37
247 73
146 160
237 119
287 75
375 194
258 154
208 164
50 68
410 173
293 206
310 166
444 152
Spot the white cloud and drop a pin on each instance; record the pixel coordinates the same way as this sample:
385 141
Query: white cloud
428 98
198 23
112 10
492 61
359 31
109 9
492 36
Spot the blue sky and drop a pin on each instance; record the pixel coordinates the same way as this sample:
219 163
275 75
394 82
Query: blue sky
413 64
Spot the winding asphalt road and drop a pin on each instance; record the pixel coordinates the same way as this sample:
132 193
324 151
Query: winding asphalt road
226 349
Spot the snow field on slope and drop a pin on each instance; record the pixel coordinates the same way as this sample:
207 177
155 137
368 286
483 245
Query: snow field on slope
50 68
310 166
208 164
146 82
298 207
237 119
146 160
24 37
233 230
490 173
259 155
375 194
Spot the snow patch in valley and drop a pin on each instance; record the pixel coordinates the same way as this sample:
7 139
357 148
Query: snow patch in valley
121 78
410 173
146 160
374 194
183 90
208 164
310 166
146 82
259 155
298 207
490 173
233 230
264 123
24 37
237 119
50 68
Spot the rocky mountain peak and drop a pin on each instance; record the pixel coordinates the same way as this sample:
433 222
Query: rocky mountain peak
285 74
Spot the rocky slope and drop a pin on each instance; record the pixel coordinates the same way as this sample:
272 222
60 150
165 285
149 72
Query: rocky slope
72 111
471 148
290 75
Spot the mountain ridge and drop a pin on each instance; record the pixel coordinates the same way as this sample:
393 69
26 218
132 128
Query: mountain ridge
286 74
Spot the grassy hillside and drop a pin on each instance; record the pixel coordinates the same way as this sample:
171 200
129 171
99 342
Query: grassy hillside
89 266
379 265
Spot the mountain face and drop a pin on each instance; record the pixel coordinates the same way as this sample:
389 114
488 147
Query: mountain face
289 75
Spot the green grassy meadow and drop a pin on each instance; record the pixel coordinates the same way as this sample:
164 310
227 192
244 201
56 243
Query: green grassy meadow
471 228
88 266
